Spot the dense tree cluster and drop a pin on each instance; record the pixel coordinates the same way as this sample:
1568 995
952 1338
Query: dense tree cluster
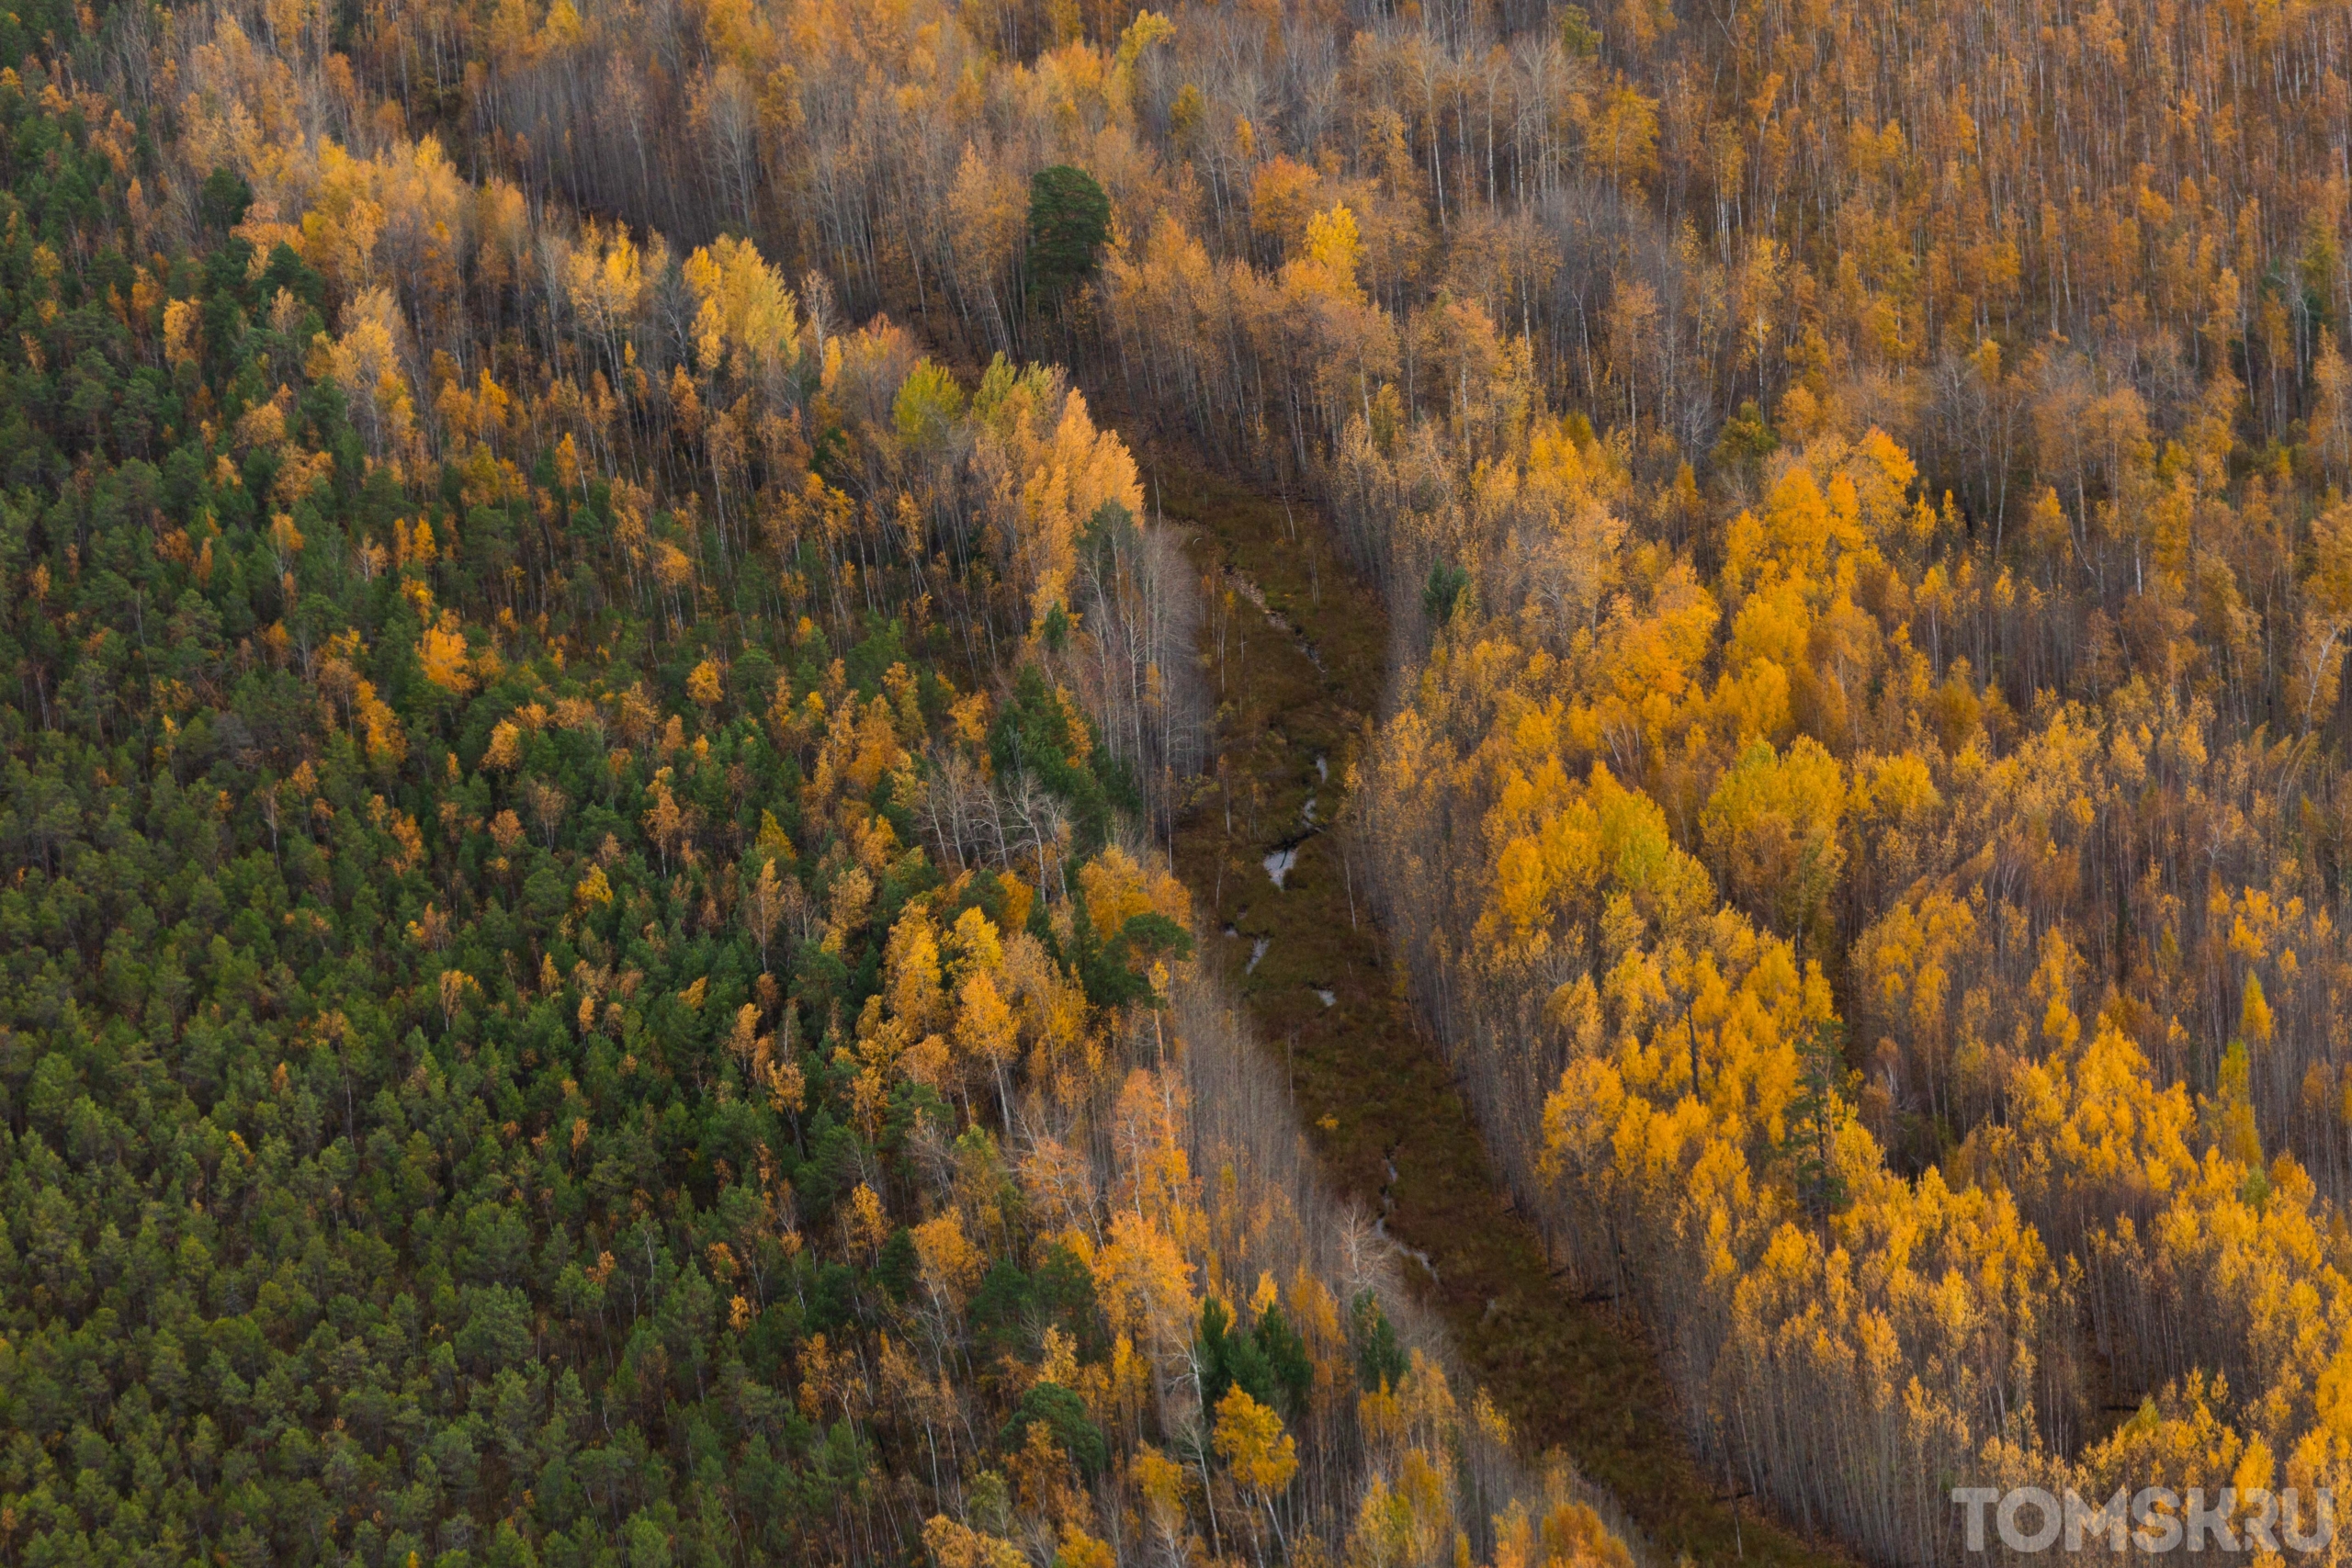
578 983
1859 492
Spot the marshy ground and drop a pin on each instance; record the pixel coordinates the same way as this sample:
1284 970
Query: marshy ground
1298 653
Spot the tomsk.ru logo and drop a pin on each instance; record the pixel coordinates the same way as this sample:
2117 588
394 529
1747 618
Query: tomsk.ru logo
2154 1519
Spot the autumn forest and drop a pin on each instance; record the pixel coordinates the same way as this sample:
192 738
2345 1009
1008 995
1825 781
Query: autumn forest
673 891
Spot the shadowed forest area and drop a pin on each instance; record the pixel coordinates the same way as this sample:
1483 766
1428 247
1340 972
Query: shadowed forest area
651 884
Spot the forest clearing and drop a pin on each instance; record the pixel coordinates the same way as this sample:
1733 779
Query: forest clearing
1394 1129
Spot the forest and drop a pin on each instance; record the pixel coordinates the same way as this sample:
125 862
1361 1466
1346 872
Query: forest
607 986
